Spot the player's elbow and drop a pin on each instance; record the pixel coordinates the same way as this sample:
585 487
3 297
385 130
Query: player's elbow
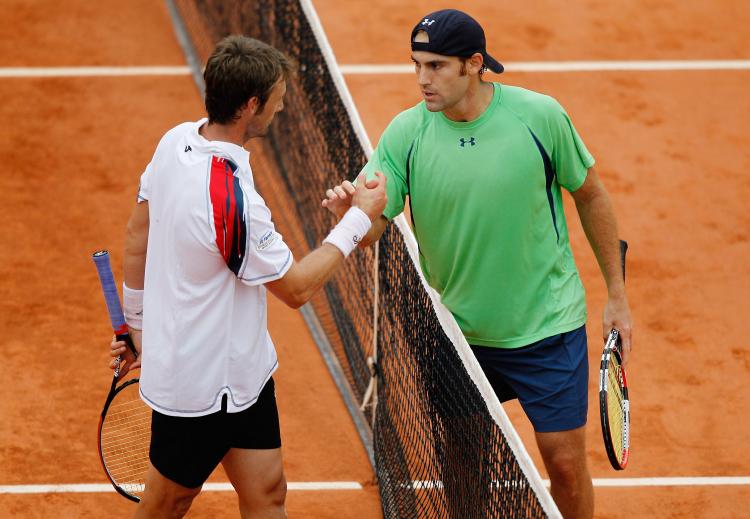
296 300
292 295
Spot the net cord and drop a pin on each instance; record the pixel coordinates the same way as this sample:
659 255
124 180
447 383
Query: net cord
446 319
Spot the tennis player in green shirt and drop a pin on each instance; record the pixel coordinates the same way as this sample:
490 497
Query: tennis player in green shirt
483 165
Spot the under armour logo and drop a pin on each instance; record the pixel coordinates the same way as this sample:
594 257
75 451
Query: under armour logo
464 142
356 239
188 148
427 21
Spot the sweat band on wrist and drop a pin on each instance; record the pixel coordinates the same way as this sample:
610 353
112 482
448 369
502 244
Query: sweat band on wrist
132 307
349 231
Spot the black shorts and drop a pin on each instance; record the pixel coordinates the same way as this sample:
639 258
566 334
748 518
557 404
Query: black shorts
187 449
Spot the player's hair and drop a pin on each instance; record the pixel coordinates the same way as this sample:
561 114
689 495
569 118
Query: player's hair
239 69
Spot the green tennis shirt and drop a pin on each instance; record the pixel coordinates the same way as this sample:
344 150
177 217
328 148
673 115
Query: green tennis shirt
486 203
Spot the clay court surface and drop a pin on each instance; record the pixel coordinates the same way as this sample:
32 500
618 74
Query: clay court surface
673 148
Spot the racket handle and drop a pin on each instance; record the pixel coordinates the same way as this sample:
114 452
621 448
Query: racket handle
112 298
623 251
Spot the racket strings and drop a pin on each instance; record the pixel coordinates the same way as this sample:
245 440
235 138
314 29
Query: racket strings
125 439
615 407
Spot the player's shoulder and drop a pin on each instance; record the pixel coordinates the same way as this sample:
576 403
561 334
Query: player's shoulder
410 119
405 126
177 133
528 102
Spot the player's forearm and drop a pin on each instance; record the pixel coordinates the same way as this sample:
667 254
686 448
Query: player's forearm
375 232
307 276
600 225
136 244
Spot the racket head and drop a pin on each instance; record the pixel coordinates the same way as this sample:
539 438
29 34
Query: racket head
614 403
124 440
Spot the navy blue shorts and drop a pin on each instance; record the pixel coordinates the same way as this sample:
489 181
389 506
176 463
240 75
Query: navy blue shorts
549 377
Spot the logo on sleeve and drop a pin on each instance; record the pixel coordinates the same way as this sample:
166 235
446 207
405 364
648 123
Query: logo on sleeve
268 239
356 239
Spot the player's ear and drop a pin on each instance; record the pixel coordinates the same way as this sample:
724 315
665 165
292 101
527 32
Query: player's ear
475 63
252 104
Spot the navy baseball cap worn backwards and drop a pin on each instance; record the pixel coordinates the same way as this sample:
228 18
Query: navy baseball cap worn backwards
453 33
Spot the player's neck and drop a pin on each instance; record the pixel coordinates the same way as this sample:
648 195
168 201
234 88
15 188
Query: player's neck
478 97
232 133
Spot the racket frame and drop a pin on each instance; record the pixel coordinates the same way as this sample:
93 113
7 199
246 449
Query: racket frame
112 300
612 349
114 390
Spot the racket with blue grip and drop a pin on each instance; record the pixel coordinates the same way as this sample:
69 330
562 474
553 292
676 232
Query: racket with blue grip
125 420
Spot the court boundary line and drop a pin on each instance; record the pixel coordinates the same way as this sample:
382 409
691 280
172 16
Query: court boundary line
391 68
640 482
572 66
94 488
35 72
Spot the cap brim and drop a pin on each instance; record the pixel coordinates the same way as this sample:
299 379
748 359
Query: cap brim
493 64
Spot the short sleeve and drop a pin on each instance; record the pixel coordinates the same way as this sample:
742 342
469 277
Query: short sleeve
268 256
143 187
244 233
391 158
570 157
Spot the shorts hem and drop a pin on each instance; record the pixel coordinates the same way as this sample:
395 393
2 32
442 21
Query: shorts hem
549 427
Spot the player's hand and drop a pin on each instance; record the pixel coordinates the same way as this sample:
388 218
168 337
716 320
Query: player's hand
370 195
127 359
339 198
617 315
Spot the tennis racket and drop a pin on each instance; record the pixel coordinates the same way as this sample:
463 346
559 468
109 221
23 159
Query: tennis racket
614 403
125 422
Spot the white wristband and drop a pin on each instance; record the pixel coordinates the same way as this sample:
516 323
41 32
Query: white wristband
349 231
132 307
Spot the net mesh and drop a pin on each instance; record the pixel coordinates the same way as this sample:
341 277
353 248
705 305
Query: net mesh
125 436
438 451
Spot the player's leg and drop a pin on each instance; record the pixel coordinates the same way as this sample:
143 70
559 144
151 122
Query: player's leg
550 378
258 477
183 453
564 455
164 498
254 464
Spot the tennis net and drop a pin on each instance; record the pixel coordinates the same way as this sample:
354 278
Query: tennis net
443 446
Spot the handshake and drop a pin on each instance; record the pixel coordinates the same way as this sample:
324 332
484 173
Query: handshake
368 195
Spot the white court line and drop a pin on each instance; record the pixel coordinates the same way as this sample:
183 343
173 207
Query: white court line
520 66
353 485
623 482
23 72
213 487
671 482
572 66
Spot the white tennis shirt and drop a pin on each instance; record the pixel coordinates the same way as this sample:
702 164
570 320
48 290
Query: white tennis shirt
211 246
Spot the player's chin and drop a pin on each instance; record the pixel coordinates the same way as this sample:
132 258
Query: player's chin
433 105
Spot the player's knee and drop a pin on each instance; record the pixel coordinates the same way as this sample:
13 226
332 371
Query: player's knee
171 505
181 505
272 495
277 493
566 469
